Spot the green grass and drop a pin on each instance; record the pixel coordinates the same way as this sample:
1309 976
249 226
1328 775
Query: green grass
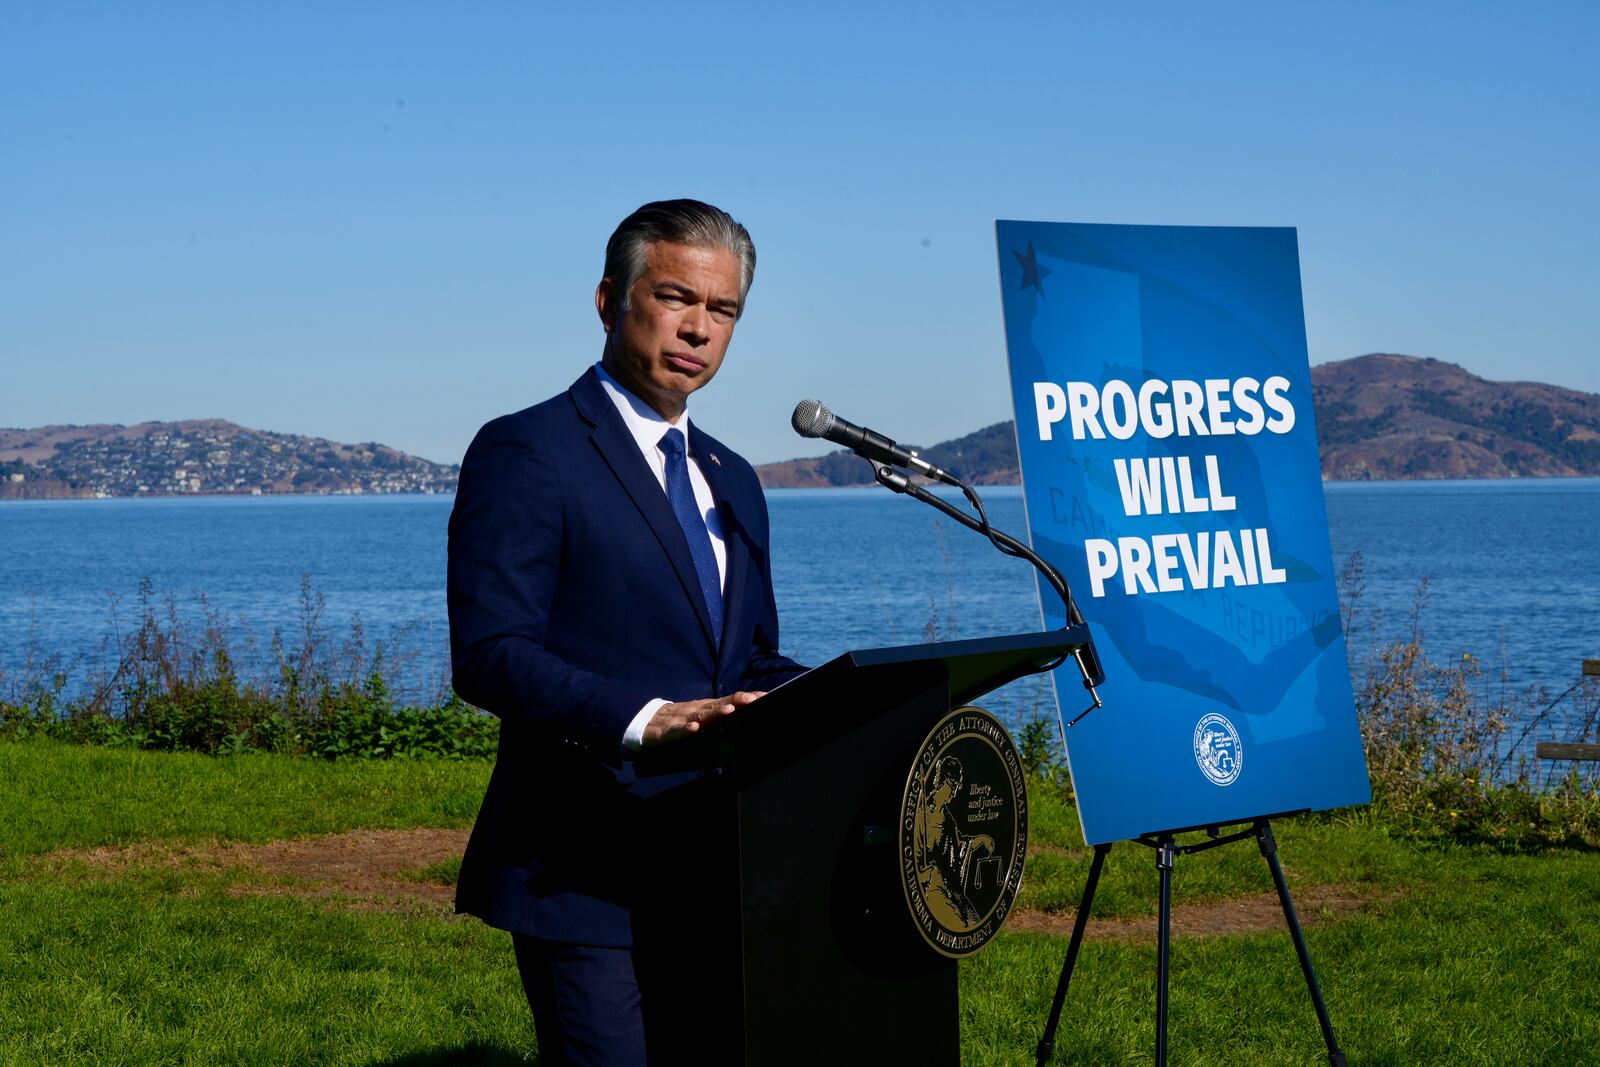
59 795
445 872
162 964
1490 961
180 972
1465 954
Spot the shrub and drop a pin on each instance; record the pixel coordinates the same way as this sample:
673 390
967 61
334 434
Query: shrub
1441 754
174 687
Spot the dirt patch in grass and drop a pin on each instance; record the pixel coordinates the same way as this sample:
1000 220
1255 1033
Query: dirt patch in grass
1314 905
373 869
1035 849
208 856
389 870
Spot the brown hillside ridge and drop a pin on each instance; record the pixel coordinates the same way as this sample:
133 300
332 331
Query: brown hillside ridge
1389 416
198 457
1378 416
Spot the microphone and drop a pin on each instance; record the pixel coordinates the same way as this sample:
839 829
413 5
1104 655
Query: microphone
813 419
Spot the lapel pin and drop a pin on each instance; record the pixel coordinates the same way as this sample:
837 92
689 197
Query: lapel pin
714 458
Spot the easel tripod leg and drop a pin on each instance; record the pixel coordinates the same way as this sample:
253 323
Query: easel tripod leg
1166 858
1269 849
1047 1043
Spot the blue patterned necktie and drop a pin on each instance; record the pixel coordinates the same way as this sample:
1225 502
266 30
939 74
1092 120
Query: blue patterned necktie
680 494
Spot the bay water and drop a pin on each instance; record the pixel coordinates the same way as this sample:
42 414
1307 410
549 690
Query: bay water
1510 569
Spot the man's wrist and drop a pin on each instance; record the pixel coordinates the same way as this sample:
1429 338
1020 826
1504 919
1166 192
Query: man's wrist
633 736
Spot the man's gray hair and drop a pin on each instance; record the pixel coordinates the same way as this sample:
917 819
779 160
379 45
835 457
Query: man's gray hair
684 222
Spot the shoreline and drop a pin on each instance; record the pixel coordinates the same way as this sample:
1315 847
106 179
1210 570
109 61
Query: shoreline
1526 480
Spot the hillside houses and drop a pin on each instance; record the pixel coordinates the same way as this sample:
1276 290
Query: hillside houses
204 457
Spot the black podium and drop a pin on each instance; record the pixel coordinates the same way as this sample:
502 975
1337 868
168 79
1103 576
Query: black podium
778 931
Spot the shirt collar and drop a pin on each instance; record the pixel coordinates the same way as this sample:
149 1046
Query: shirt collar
643 421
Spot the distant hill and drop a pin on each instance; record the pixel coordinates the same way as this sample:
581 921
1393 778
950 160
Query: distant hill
1378 416
1387 416
201 456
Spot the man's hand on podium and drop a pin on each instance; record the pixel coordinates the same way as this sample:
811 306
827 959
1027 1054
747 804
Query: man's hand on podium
673 722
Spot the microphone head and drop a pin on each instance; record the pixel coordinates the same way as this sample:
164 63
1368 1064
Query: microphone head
811 418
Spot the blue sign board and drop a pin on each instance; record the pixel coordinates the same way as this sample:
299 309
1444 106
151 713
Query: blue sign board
1169 463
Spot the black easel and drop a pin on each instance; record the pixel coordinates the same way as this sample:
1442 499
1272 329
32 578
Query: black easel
1167 851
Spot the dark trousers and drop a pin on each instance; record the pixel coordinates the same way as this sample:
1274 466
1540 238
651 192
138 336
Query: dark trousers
586 1003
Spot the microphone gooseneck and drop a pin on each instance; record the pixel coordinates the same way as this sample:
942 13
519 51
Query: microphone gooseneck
1084 656
812 418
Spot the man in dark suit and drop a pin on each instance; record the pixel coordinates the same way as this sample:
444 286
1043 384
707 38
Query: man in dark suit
609 591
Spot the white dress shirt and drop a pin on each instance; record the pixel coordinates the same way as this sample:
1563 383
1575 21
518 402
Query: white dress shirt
647 427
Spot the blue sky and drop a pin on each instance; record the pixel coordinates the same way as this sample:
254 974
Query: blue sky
385 221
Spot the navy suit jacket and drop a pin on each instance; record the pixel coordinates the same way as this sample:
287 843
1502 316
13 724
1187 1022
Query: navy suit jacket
573 602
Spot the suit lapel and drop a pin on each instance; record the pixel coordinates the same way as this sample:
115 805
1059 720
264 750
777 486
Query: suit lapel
621 453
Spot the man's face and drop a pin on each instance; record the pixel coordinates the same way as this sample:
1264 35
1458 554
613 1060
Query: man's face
668 337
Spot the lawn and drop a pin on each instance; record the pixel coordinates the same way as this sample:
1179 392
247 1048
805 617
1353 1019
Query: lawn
138 930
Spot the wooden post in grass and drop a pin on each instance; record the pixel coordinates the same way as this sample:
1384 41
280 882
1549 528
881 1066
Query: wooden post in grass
1562 749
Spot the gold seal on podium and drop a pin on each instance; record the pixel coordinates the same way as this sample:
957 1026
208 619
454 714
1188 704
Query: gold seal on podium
963 832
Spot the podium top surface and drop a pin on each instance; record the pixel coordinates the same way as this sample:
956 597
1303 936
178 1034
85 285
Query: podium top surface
1049 642
975 666
856 686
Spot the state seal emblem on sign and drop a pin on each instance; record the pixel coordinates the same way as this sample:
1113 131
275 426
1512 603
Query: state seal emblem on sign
1217 749
963 832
